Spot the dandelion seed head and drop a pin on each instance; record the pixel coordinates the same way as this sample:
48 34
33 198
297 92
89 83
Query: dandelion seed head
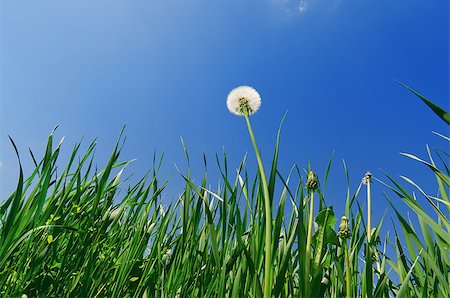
243 100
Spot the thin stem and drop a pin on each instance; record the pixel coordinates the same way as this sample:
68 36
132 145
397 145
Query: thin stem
369 223
369 213
347 271
308 239
369 228
268 216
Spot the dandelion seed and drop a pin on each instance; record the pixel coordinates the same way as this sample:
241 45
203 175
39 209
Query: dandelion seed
243 100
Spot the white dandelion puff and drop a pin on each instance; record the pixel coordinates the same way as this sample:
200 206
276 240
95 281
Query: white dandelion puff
243 100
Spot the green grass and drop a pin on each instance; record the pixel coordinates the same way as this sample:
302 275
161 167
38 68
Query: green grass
75 230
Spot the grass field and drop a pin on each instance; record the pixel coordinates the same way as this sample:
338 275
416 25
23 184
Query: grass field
67 231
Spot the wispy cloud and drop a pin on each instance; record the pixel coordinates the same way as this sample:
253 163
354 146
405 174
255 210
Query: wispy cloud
300 7
303 6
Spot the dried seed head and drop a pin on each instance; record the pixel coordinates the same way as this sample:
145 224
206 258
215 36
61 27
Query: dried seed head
367 178
243 100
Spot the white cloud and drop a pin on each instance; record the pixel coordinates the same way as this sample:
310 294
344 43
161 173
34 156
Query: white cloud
303 6
300 7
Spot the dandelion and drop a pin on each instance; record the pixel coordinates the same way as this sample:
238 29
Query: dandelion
311 184
243 100
366 181
369 252
344 234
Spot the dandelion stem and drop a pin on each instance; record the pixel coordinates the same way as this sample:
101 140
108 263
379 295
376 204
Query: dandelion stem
268 216
347 271
309 238
369 213
367 180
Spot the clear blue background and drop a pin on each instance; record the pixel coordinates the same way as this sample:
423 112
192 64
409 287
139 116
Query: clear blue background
164 68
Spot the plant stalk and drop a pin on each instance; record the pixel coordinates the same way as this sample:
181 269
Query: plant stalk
369 213
367 179
308 239
268 216
347 271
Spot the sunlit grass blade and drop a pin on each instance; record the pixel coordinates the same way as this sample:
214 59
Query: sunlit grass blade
436 109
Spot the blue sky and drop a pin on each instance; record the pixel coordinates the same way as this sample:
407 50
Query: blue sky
164 68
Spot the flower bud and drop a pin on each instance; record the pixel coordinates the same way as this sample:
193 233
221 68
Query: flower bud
344 229
313 182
